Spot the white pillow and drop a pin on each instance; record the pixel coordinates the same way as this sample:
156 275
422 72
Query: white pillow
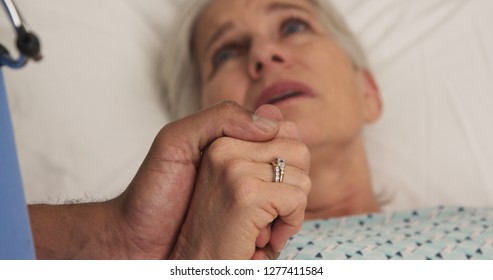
86 115
434 63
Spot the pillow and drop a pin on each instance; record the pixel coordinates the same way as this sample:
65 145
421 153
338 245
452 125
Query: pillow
433 61
85 116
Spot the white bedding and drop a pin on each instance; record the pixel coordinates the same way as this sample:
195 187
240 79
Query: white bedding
85 116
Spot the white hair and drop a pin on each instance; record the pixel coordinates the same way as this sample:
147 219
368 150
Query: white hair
181 74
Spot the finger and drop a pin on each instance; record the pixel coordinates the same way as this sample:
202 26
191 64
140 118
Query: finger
270 112
293 176
281 232
286 129
294 153
263 237
191 135
291 212
264 172
265 253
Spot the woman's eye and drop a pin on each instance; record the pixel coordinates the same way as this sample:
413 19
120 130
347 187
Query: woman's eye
293 26
223 55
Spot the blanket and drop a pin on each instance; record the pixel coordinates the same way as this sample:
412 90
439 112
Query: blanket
438 233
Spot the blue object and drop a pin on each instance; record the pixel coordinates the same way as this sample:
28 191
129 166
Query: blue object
16 241
437 233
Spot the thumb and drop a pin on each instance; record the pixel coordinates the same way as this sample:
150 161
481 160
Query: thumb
193 134
286 129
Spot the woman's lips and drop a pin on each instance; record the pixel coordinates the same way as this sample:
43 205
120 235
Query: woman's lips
281 91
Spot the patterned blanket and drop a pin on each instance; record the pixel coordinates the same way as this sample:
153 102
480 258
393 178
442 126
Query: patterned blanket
456 233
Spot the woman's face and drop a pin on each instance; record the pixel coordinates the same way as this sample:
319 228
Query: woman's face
256 52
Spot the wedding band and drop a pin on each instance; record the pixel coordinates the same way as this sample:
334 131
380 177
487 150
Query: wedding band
279 167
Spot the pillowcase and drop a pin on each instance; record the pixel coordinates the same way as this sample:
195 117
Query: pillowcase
433 61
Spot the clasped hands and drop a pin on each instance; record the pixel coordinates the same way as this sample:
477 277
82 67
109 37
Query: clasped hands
206 190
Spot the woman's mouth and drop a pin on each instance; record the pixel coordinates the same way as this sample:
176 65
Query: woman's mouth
286 95
282 91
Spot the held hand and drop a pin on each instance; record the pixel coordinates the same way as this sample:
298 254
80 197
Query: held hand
263 243
151 211
236 206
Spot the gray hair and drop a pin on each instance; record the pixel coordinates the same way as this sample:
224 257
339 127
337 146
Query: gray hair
180 70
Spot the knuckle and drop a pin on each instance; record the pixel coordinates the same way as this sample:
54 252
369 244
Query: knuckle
241 186
301 148
302 155
297 198
228 104
245 194
225 110
165 131
232 170
302 198
219 149
298 153
170 144
306 184
227 107
297 201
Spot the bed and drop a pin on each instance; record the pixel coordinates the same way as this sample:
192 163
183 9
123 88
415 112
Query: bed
433 61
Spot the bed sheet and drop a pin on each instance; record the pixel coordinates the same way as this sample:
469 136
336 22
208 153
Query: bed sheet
437 233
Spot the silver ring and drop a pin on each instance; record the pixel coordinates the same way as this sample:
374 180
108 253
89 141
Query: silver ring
279 166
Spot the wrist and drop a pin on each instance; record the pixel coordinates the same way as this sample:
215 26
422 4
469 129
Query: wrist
130 237
113 230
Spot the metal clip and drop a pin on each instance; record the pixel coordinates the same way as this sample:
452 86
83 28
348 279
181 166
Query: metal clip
27 42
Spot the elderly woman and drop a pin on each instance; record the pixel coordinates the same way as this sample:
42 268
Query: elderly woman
299 56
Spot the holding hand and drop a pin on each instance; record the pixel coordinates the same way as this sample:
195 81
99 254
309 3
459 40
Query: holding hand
156 202
144 221
237 210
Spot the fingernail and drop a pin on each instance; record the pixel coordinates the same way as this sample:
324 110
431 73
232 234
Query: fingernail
263 123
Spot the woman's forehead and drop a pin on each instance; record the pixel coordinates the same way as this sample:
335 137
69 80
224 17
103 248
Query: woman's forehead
220 10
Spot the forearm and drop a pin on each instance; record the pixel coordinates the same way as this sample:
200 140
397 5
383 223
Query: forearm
79 231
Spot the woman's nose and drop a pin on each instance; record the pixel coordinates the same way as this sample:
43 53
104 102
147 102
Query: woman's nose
265 55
